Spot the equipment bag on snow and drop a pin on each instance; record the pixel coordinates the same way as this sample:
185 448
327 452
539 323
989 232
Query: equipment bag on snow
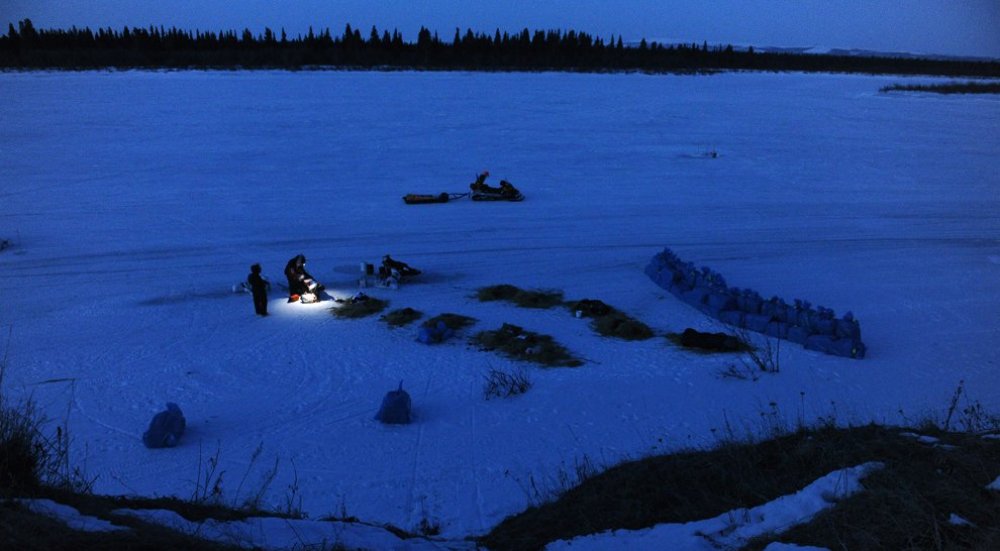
166 428
434 334
395 408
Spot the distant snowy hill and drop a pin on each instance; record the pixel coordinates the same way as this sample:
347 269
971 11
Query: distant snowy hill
858 52
817 50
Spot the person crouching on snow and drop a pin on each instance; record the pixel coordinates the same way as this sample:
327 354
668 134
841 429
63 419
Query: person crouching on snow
296 273
258 286
300 281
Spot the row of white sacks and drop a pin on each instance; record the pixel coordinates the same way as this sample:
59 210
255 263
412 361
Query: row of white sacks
815 328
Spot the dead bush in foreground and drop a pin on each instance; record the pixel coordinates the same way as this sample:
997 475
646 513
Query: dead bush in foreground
504 384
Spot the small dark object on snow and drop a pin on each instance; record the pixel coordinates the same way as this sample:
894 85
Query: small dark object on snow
395 408
721 342
436 333
166 428
591 308
402 268
358 298
511 330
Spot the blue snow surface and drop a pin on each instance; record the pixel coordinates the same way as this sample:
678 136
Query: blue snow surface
134 201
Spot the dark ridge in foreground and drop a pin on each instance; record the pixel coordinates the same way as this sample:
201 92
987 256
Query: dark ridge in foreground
27 48
905 505
926 481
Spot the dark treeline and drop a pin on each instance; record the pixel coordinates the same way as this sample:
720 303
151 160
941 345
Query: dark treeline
25 47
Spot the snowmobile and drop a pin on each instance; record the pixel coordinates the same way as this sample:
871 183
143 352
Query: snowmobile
483 192
389 265
479 190
390 274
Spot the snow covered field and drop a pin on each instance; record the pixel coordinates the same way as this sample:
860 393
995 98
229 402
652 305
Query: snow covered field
136 200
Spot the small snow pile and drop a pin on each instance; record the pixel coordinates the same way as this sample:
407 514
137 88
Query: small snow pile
69 516
733 529
923 439
995 485
956 520
929 440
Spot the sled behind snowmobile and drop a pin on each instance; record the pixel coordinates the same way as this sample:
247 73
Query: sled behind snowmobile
427 198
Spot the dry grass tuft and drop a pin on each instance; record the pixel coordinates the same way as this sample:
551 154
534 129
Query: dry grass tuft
520 297
401 317
455 322
519 344
611 322
353 309
505 384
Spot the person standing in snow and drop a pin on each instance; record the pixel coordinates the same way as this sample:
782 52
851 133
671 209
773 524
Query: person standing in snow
480 183
258 286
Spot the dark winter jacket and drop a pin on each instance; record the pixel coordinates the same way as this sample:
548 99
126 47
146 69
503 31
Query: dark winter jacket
296 273
258 285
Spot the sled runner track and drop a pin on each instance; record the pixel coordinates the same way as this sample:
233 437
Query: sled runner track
431 198
74 400
416 460
139 257
312 394
475 470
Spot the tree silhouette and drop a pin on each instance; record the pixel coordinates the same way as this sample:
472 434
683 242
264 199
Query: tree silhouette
25 47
